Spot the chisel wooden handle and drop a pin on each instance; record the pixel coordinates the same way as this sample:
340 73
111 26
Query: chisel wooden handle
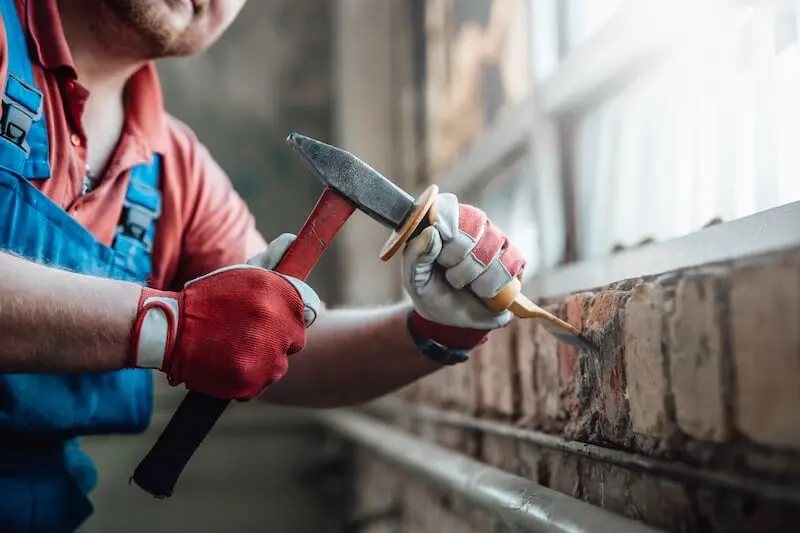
197 414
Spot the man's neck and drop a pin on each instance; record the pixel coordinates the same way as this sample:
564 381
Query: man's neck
103 62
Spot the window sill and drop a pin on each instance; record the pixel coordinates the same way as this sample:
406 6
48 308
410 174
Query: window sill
769 231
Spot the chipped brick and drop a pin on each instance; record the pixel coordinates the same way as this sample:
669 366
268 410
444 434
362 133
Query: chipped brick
604 308
765 319
644 361
603 372
695 352
568 368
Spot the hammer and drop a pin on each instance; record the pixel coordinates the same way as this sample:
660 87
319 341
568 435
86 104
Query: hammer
391 206
349 184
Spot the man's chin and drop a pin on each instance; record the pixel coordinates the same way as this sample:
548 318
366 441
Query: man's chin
166 28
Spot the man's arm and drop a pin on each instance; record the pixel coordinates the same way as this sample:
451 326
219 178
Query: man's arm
57 321
226 334
352 356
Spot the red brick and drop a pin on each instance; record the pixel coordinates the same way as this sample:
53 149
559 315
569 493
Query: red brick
644 361
695 352
604 368
526 366
548 387
765 325
572 313
498 374
603 309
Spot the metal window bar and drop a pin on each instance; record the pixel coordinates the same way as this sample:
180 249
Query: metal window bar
512 500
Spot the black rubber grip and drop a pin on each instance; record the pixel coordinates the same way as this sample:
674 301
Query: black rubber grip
160 469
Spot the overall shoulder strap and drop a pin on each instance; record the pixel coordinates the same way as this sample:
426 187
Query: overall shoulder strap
137 226
24 146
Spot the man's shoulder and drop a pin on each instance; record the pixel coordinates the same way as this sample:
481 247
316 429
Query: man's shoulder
182 138
187 156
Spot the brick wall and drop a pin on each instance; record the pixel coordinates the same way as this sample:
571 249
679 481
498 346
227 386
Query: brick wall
686 417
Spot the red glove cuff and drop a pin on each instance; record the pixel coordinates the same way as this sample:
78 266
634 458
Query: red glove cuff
168 303
450 336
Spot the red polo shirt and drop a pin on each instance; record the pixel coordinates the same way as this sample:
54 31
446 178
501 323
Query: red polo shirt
204 223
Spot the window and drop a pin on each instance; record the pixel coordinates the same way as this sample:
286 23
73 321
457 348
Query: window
640 121
704 136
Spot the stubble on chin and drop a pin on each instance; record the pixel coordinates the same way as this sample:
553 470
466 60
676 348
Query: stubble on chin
137 29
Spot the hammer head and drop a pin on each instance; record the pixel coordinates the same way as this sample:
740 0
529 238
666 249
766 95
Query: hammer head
353 179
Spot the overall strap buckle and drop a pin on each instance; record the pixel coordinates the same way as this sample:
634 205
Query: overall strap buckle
140 210
22 106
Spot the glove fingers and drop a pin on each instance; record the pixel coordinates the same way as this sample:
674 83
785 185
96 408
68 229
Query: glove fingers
492 280
421 253
484 251
444 216
311 301
270 258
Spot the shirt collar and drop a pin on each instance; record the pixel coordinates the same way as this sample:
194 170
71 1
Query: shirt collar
145 116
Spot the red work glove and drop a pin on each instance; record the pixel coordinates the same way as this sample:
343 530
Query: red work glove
226 334
450 266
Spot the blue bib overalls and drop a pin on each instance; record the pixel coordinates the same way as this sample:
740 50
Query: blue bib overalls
44 476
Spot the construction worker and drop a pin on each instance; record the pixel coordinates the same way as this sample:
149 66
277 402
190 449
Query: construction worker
125 249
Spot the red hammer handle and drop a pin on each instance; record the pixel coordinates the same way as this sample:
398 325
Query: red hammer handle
321 226
160 469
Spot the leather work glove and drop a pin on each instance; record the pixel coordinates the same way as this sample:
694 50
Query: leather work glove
461 258
227 334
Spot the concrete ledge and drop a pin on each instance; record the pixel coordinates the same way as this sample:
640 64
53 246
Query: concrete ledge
512 500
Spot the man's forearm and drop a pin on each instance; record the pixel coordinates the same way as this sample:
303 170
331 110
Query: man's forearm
352 356
57 321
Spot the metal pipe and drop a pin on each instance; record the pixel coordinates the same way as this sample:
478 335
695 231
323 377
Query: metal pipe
513 500
683 473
